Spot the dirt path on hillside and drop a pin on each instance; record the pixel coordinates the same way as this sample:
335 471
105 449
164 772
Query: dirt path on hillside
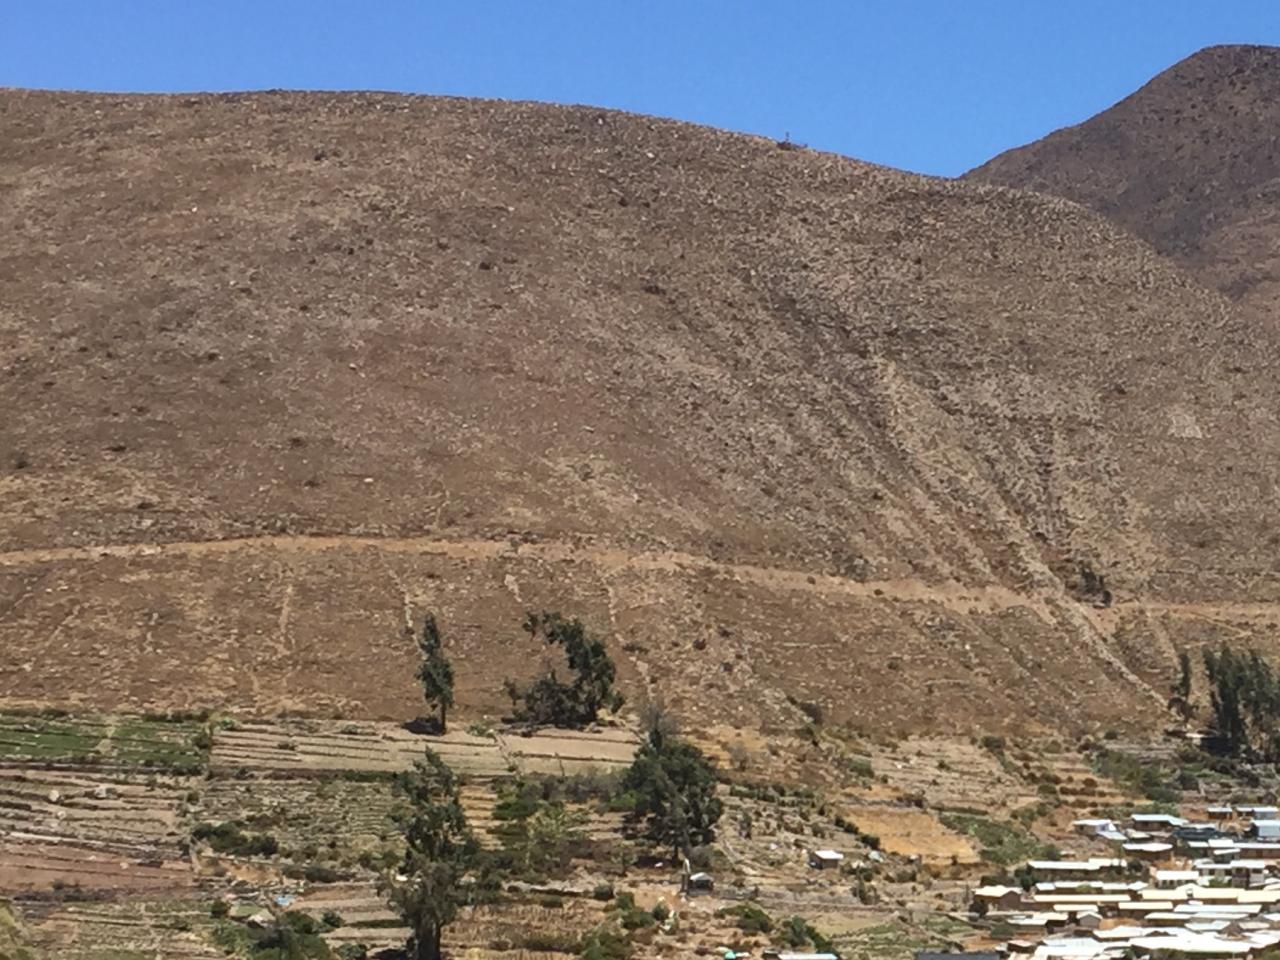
959 597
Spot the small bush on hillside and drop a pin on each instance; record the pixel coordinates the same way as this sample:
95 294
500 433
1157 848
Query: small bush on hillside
749 918
604 943
227 837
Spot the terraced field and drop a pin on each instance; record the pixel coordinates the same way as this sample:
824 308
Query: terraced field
95 804
948 773
173 929
313 747
97 816
176 746
119 832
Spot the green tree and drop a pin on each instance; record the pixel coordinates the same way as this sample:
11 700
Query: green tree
436 877
291 936
674 787
577 703
1244 695
435 673
798 932
1181 689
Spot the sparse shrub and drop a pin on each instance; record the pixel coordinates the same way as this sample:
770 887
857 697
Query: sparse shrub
219 909
860 767
549 941
748 917
604 942
661 912
797 932
332 919
227 837
602 891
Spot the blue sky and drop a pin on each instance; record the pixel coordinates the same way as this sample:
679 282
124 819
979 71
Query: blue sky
926 85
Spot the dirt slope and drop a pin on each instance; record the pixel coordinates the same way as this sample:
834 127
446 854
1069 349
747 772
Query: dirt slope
1190 163
281 371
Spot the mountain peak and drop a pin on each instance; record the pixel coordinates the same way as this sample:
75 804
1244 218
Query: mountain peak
1190 163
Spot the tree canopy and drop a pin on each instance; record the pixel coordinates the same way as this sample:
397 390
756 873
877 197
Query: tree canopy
433 880
435 673
1181 689
674 788
576 703
1244 694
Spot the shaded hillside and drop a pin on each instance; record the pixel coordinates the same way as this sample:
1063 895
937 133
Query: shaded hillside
1190 163
282 371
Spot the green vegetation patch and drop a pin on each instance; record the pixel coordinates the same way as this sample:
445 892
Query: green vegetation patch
49 738
1000 842
748 917
180 746
171 746
229 838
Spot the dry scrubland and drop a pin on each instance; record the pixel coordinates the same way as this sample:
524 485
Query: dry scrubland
280 371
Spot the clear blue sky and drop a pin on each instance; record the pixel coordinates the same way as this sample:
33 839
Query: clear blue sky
926 85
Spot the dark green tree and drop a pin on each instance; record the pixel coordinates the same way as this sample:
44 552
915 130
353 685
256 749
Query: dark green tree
1181 689
578 702
1244 695
798 932
674 788
436 877
435 673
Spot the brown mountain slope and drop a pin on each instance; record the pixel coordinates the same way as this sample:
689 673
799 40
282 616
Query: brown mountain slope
1190 163
281 371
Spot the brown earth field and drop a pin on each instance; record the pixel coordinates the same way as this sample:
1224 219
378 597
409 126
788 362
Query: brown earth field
280 372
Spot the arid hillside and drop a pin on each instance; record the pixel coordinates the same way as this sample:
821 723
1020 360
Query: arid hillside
280 372
1190 163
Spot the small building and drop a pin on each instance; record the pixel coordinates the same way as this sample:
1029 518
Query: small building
1218 813
1168 879
1037 922
1093 826
1149 852
825 859
1143 908
1156 822
1197 831
971 955
1186 943
1258 811
1265 829
1089 920
699 883
1248 873
999 897
1259 849
1082 869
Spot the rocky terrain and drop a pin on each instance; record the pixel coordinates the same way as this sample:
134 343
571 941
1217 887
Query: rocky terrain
282 371
1190 163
